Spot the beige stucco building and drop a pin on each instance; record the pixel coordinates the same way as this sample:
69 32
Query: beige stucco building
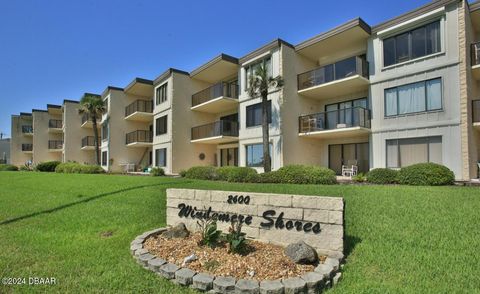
390 95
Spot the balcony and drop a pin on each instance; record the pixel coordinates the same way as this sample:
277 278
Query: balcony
476 60
476 114
27 130
140 110
88 143
222 131
87 122
55 145
27 148
139 138
341 78
218 98
342 123
55 126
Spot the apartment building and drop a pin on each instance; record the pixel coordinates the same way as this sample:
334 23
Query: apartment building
390 95
21 142
5 150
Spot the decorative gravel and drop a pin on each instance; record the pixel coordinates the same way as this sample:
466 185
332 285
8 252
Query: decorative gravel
262 262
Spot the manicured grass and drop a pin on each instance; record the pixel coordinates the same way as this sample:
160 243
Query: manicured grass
399 239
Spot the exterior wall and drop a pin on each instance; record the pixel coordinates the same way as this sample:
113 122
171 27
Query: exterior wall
17 156
5 150
41 136
445 123
73 134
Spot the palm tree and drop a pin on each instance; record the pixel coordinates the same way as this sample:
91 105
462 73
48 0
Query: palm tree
94 107
259 83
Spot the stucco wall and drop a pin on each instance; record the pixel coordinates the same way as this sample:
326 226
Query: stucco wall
17 157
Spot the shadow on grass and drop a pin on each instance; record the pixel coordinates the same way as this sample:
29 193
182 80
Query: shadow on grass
350 243
12 220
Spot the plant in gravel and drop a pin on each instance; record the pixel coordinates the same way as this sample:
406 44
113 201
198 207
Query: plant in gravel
237 242
210 234
211 265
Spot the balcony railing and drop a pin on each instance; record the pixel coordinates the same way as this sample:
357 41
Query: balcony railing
55 144
139 136
86 118
27 129
476 53
139 106
356 65
336 119
476 111
89 141
27 147
216 129
55 124
218 90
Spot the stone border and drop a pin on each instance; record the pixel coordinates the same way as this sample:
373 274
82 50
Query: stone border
325 275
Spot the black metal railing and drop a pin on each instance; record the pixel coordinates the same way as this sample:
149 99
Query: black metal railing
55 123
27 129
55 144
356 65
336 119
224 89
476 111
27 147
476 53
216 129
140 106
142 136
89 141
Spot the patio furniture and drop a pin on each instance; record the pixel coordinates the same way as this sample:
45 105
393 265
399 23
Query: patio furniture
128 167
350 169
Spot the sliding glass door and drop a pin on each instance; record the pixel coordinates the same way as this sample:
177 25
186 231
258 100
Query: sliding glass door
348 154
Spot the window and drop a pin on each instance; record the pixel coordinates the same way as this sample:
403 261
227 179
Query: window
413 44
105 132
405 152
104 158
105 104
255 155
161 94
161 157
229 157
254 114
412 98
161 125
251 69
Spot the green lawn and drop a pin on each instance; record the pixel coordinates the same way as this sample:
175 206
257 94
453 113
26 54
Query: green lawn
399 239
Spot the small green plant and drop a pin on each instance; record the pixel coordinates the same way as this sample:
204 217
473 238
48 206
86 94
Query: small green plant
382 176
236 238
359 178
25 168
48 166
8 167
157 172
210 234
211 265
77 168
182 173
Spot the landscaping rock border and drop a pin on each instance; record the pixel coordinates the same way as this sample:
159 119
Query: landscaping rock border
325 275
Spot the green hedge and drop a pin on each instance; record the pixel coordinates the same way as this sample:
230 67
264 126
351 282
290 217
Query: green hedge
77 168
237 174
8 167
202 173
157 172
382 176
48 166
300 174
426 174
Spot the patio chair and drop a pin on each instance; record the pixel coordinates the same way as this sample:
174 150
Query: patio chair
350 169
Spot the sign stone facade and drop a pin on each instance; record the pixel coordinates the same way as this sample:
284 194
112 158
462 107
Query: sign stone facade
276 218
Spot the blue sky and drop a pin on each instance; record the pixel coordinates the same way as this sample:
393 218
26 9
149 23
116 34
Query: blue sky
54 50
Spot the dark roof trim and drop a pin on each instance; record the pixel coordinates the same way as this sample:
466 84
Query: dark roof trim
39 110
412 14
335 31
167 73
53 106
138 80
91 94
70 101
25 114
109 88
216 59
274 44
474 6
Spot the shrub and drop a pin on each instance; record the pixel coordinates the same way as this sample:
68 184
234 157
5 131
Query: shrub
210 234
236 174
157 172
426 174
236 238
25 168
48 166
77 168
303 174
269 178
8 167
183 173
382 176
359 178
202 173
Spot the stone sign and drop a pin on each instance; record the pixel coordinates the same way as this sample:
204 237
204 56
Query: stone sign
276 218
